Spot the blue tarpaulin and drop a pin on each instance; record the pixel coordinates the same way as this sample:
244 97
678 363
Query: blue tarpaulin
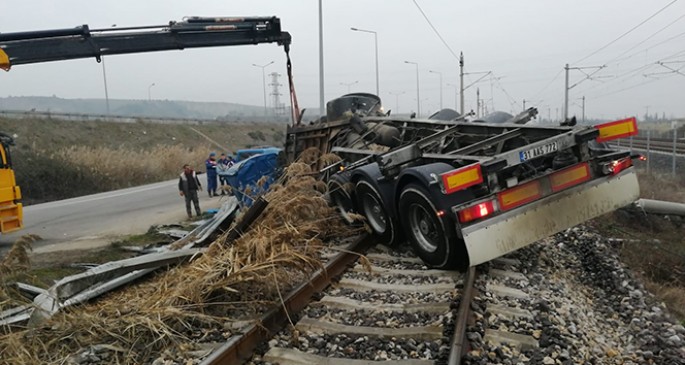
244 176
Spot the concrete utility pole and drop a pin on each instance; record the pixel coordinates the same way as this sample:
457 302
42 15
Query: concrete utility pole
583 109
321 91
461 81
674 126
567 88
462 73
566 94
439 74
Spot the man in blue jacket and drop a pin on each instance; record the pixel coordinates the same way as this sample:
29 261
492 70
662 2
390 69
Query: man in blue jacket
210 164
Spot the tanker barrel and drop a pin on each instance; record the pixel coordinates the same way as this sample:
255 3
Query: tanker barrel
383 135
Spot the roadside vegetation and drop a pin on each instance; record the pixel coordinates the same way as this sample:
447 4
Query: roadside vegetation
58 159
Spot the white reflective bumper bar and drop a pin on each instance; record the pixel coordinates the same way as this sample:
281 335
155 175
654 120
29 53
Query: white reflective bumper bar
524 225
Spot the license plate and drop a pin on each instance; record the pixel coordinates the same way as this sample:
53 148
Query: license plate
539 151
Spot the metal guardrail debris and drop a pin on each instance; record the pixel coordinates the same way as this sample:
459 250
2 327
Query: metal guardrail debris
94 282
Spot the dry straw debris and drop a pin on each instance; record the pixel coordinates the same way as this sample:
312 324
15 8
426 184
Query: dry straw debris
17 258
14 262
196 302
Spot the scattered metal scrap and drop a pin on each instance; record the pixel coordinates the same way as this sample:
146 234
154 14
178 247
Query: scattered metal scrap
103 278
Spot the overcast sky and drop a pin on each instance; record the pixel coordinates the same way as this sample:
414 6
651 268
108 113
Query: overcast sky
524 43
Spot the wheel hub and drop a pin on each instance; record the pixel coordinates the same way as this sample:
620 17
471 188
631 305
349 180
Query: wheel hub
423 228
375 214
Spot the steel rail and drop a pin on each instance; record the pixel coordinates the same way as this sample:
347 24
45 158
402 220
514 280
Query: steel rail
458 345
240 348
658 146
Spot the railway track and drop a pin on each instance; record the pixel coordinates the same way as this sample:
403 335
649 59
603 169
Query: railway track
566 300
655 144
388 307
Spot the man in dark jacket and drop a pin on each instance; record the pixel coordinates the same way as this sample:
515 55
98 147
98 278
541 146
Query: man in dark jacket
210 164
188 185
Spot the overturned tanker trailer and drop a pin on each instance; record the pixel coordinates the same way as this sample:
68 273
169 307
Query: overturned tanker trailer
461 190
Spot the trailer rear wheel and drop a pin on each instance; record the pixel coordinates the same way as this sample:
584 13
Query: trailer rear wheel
370 205
427 231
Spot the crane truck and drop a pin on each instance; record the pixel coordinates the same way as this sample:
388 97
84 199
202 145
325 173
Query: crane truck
464 190
19 48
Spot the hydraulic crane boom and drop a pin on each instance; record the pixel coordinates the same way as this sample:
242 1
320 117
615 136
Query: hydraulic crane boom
82 42
193 32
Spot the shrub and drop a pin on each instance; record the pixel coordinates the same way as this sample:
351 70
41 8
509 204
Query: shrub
81 170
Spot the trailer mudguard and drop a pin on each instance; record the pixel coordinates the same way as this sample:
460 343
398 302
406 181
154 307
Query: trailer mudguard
519 227
386 188
429 176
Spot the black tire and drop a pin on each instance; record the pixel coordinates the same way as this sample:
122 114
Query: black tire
342 200
427 232
370 205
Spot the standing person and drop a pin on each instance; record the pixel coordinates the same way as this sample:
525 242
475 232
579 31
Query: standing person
188 185
221 168
210 164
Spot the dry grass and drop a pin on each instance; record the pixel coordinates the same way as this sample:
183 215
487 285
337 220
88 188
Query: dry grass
13 263
17 258
125 167
200 299
661 187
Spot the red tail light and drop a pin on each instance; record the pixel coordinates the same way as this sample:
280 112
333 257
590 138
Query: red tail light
476 212
614 167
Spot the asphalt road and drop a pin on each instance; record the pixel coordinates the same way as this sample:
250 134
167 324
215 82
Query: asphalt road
97 220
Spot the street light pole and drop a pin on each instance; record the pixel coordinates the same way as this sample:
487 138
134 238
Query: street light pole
439 74
264 82
149 94
104 76
348 84
375 38
418 97
321 91
456 95
397 100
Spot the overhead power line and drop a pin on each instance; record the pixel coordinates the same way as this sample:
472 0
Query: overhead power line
436 31
646 39
636 71
548 84
626 33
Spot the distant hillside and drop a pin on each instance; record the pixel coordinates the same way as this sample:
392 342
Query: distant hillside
142 108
